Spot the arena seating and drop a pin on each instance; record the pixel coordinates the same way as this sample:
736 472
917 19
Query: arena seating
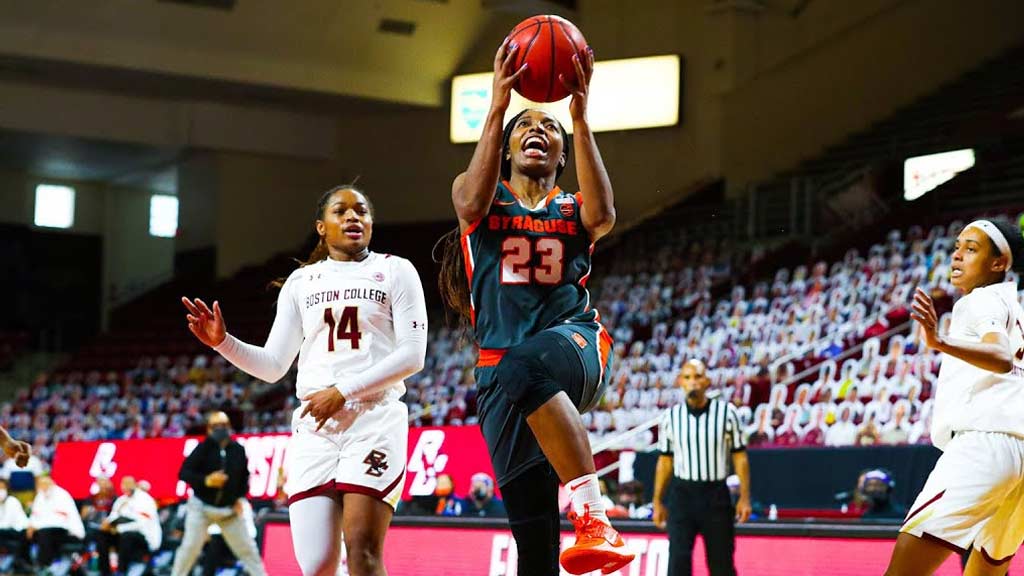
828 317
811 349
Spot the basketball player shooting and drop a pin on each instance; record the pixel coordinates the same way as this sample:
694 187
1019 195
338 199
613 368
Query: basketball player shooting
517 269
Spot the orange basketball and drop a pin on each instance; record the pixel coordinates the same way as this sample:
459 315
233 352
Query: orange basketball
548 44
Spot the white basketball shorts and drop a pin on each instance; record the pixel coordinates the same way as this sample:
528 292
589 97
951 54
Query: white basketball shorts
974 496
361 450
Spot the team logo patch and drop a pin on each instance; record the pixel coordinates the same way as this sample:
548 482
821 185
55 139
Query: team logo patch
580 340
568 210
378 276
377 462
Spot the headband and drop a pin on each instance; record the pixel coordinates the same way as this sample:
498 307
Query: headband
997 237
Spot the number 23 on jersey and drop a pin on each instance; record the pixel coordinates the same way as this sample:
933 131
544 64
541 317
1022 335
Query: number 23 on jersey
517 252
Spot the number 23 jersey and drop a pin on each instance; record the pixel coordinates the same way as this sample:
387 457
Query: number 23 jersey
349 316
527 269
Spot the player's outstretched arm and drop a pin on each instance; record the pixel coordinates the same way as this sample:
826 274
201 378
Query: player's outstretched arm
20 451
598 208
473 190
268 362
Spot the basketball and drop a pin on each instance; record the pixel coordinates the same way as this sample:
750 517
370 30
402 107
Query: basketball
547 43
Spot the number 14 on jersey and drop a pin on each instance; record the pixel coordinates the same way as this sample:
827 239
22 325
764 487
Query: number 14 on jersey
347 326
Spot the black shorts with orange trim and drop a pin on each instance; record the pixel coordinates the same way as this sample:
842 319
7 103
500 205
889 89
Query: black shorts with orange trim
573 358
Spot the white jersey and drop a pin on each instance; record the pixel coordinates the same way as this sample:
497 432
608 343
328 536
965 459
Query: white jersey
138 513
967 397
359 326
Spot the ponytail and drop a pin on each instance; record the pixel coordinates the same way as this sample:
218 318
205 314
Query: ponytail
452 281
319 253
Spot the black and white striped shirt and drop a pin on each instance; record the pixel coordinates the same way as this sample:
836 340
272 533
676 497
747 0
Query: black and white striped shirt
700 441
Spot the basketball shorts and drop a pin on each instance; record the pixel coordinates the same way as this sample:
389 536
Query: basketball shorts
361 450
578 357
974 496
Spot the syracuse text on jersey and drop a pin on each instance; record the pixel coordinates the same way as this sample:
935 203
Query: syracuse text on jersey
530 224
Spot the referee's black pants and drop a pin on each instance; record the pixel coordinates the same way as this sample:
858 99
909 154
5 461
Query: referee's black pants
703 508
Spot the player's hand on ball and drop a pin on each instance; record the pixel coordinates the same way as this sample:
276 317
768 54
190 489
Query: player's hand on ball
579 86
926 317
660 515
20 451
206 324
323 404
743 510
505 74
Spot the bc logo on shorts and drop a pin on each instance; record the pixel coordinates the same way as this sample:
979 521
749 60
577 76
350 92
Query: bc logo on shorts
378 462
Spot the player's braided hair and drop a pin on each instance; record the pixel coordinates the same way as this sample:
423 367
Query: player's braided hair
320 251
452 281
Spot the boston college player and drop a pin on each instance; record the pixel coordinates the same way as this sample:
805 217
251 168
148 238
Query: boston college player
358 321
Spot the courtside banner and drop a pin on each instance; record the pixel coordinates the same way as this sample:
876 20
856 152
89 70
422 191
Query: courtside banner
456 450
450 551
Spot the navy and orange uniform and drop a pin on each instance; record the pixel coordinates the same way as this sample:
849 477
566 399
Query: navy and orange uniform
528 270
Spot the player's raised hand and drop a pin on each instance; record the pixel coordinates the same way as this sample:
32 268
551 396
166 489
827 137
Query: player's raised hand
505 74
20 451
206 324
579 85
323 404
926 317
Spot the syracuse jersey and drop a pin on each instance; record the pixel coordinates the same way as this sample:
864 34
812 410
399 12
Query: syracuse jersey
527 269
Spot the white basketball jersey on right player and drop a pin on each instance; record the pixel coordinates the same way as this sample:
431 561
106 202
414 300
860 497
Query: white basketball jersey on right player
968 397
973 497
347 320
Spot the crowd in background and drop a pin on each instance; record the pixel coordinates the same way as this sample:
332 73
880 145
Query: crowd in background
119 529
869 380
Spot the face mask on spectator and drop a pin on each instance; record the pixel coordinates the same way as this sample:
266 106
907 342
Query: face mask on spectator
3 495
220 435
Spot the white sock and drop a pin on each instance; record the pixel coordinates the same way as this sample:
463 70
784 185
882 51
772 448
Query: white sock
585 495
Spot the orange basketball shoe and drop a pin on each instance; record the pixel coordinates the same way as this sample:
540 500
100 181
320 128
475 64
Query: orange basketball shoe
598 547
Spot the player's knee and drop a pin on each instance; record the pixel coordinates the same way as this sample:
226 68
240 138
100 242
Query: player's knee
364 552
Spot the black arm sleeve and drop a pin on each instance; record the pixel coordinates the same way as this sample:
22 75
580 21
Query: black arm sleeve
191 469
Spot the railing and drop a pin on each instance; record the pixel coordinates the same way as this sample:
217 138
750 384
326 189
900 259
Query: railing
846 354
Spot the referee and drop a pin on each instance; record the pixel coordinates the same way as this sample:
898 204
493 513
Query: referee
695 441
